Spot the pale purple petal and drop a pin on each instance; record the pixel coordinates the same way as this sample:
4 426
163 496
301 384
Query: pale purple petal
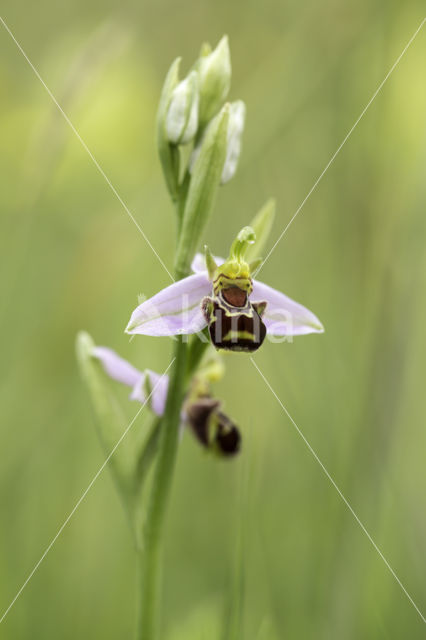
199 262
175 310
159 384
283 316
117 368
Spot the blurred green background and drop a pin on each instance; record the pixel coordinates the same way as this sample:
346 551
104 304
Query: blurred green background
71 259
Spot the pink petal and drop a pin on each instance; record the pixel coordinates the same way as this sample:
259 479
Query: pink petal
117 368
175 310
158 385
283 316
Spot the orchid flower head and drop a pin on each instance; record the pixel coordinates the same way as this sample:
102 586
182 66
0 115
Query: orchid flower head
201 412
224 294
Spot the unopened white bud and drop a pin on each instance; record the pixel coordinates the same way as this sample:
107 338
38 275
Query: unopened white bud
237 114
182 114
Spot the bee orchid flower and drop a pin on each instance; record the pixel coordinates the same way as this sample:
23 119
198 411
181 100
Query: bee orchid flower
213 429
221 295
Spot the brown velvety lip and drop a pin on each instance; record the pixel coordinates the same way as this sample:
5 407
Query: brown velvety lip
235 296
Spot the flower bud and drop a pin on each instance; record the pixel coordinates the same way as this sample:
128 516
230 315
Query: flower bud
166 151
211 368
237 114
215 80
182 114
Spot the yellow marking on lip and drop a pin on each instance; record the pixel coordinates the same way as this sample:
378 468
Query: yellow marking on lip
242 335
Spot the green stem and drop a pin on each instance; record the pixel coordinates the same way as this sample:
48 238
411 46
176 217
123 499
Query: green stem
147 454
150 555
196 350
180 205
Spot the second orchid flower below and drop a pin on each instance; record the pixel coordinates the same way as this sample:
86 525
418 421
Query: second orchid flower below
201 412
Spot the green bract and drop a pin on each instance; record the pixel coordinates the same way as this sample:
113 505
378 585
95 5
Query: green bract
261 225
215 80
205 180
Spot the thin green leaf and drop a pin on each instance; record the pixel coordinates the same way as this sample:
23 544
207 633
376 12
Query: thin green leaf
202 191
